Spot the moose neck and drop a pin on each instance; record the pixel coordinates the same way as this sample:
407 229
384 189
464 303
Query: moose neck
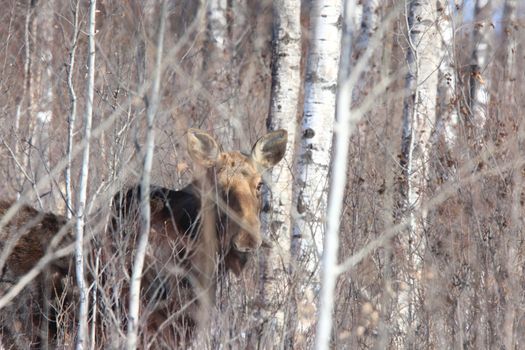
213 218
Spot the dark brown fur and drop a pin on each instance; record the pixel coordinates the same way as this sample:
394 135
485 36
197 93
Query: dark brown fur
29 234
200 232
197 234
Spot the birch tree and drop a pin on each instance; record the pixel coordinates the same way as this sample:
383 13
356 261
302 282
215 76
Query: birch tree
510 28
24 98
337 186
445 136
27 104
82 192
419 115
43 89
313 159
510 256
479 80
217 15
368 23
145 213
447 111
220 49
283 115
73 110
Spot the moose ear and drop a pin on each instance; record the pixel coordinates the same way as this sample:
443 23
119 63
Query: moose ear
202 148
270 148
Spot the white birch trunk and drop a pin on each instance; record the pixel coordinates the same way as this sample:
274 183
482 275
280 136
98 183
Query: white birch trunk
337 185
218 23
445 134
314 159
511 258
219 49
419 115
145 213
479 80
25 97
82 192
447 113
510 28
225 122
73 110
283 115
368 23
42 87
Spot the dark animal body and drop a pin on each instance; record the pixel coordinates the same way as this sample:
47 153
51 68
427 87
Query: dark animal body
197 234
24 241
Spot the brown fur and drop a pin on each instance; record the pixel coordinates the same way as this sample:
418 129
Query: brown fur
29 234
200 232
197 234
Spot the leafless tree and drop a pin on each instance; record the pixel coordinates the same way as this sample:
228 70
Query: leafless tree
73 112
286 57
479 80
313 160
82 193
448 98
145 210
337 185
419 115
435 225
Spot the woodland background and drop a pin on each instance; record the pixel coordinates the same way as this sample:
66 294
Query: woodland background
431 229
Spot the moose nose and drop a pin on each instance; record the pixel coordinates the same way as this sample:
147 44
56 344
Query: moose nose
246 243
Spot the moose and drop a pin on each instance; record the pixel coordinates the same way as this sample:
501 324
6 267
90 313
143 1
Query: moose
197 235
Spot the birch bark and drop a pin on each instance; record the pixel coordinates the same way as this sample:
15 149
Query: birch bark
510 28
419 115
73 111
82 192
479 81
145 212
43 86
220 49
218 23
337 185
25 98
447 111
313 159
445 135
283 115
510 259
368 23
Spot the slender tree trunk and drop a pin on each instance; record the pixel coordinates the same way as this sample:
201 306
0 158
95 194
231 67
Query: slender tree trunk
25 99
73 110
276 215
337 185
313 160
419 115
511 256
444 140
43 87
217 15
82 191
479 80
219 49
368 23
447 111
145 212
510 28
